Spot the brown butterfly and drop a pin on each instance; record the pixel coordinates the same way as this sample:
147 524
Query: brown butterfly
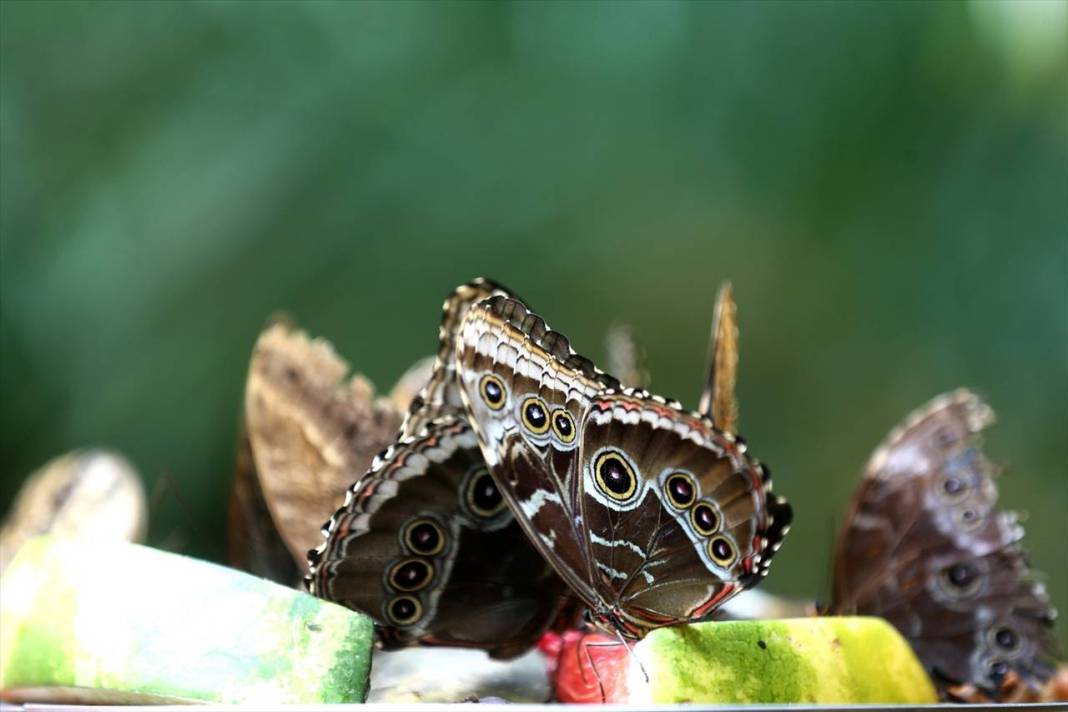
425 543
651 514
924 547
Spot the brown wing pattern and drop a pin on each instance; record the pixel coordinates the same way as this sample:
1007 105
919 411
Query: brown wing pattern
512 367
680 518
426 546
440 396
718 400
481 584
312 430
925 547
586 467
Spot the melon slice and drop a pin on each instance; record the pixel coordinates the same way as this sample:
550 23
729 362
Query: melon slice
114 621
812 660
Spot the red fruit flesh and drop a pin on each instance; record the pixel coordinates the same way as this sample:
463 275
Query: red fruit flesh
587 668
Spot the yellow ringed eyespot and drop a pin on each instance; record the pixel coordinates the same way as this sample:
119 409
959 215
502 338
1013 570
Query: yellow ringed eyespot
491 389
424 536
614 476
563 425
483 497
721 551
681 490
535 416
411 575
705 519
404 610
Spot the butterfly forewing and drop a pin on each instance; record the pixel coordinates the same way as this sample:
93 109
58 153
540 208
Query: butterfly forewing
925 547
312 429
522 399
440 395
675 510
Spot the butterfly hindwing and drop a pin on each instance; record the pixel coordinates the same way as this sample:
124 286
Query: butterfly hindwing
679 516
426 546
925 547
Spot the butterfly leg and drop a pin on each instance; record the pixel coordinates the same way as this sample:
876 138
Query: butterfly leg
594 654
585 644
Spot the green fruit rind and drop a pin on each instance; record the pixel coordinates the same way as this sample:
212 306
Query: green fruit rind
123 617
817 660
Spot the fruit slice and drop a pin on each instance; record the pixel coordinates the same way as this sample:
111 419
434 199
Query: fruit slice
128 621
815 660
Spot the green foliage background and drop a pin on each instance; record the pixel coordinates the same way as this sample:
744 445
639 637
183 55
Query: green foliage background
885 183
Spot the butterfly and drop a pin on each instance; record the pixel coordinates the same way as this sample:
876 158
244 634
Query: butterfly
425 543
924 547
651 514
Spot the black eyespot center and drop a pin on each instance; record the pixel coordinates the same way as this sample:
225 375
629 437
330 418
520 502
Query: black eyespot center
615 476
425 537
681 490
721 551
404 610
492 390
705 519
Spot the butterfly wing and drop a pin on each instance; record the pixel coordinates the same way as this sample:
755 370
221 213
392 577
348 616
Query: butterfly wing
485 586
426 546
680 518
547 418
718 400
440 395
526 391
311 431
925 547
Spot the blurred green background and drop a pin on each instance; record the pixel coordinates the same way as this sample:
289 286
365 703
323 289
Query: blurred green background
885 183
